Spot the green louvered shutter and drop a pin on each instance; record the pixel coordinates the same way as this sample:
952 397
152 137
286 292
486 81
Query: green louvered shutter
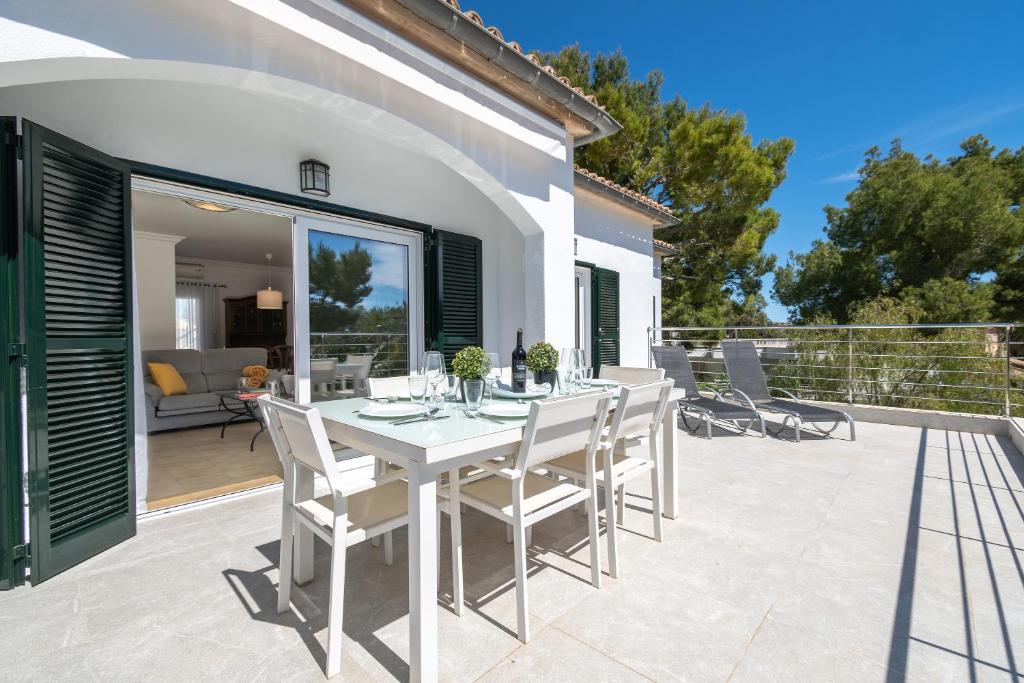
77 264
605 325
11 504
455 293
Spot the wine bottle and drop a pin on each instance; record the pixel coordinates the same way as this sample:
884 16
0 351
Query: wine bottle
519 364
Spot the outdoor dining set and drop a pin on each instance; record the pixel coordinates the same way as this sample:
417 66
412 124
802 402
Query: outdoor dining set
524 459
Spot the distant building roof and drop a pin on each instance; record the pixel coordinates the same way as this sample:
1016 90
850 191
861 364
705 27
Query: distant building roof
631 198
663 248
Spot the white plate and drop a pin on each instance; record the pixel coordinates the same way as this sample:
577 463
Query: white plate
393 410
603 383
506 409
502 393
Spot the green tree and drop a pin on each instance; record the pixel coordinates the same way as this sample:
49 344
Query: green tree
702 163
338 283
921 229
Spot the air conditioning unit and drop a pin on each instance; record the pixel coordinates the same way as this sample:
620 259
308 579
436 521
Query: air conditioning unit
189 271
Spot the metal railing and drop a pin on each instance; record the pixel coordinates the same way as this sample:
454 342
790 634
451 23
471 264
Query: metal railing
962 367
390 350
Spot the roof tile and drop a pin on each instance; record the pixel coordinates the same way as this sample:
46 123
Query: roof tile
632 194
474 16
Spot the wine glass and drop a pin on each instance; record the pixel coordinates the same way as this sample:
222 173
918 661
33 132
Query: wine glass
566 370
491 373
433 370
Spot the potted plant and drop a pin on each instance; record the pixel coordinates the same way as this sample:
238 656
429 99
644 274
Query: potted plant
542 360
469 365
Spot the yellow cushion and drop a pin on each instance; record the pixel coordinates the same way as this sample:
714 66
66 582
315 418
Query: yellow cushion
167 377
257 374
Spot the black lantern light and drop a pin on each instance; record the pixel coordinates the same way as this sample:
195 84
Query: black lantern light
315 177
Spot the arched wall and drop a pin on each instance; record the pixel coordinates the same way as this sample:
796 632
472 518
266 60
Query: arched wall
312 76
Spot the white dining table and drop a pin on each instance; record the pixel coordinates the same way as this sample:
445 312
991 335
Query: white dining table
428 449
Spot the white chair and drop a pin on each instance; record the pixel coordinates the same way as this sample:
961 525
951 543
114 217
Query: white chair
382 387
627 375
322 376
522 498
637 418
358 376
346 516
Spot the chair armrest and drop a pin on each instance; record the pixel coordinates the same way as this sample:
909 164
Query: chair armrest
368 484
786 393
743 398
153 392
503 472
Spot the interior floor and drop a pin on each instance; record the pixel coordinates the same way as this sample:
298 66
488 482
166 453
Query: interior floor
187 465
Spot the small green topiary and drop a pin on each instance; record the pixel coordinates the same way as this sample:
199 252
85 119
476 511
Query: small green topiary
542 357
470 363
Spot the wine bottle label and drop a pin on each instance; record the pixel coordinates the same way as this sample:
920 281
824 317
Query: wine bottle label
519 377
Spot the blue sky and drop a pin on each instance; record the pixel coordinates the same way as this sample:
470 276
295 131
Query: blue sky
389 276
837 77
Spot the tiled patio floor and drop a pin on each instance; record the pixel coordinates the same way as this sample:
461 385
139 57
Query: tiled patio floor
895 557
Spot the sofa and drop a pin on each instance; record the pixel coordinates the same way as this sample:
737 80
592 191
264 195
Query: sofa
205 373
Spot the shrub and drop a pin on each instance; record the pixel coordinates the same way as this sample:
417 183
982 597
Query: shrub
542 357
470 363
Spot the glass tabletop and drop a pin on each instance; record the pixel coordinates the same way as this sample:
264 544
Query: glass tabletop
456 425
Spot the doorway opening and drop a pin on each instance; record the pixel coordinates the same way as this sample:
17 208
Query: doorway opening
200 268
346 305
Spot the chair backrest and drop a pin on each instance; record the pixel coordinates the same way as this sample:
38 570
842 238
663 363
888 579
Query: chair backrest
299 437
382 387
627 375
359 358
676 364
640 410
558 426
323 370
744 369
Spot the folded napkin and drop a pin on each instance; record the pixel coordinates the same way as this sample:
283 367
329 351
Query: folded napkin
544 387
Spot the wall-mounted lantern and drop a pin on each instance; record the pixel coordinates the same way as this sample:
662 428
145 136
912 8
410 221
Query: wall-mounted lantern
315 177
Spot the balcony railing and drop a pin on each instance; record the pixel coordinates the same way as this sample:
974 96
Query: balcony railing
966 367
390 350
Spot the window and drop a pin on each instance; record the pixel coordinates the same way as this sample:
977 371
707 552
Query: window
187 314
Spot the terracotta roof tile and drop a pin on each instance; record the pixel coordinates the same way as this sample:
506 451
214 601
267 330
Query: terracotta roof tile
665 246
625 191
474 16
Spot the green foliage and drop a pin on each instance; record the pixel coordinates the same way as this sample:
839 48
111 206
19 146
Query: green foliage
338 283
702 163
951 369
542 357
922 230
470 363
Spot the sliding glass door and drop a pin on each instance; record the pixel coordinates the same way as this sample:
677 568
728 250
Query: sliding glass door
359 303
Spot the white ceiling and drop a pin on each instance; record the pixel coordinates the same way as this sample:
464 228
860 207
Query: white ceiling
240 236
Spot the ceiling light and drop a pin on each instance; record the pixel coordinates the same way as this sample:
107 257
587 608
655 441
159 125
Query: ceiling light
208 206
269 298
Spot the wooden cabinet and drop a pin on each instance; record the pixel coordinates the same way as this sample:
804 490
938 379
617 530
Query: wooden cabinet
246 325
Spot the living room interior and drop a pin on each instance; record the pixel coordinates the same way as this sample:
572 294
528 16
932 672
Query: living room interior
214 294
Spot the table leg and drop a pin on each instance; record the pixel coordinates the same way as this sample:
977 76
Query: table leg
670 465
422 575
304 537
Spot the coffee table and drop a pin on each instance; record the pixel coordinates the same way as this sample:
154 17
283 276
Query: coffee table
241 408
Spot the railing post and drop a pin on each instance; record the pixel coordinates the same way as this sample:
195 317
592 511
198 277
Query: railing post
849 366
1006 388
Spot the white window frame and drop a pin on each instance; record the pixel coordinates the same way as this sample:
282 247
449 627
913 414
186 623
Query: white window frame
302 225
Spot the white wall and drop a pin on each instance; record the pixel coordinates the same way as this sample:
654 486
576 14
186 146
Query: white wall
244 90
611 236
243 279
154 262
